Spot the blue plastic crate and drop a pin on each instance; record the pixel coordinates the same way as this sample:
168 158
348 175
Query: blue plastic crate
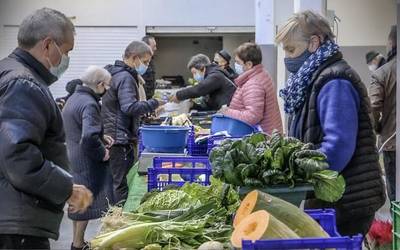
198 166
327 219
194 148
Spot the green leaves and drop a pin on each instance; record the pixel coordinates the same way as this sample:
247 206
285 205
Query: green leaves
258 161
328 185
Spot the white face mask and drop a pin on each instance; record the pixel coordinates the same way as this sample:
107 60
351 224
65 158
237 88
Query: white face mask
239 68
372 67
58 70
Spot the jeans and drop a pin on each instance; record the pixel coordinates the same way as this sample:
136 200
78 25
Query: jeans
389 159
13 241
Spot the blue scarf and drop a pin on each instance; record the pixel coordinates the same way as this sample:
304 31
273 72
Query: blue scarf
296 87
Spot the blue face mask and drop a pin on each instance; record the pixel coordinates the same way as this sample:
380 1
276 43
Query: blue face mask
239 68
58 70
141 69
198 77
294 64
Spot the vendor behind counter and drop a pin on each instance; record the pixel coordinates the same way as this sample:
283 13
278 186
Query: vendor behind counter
214 84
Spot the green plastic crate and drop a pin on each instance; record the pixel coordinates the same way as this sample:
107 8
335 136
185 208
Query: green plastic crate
292 195
396 224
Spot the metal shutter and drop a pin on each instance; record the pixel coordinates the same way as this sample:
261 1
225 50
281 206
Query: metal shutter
93 46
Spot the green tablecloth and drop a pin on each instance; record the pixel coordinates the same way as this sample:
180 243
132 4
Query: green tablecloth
137 188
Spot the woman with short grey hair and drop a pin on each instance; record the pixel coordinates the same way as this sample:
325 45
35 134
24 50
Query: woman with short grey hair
328 105
88 149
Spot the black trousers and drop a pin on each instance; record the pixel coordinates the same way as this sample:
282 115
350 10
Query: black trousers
122 158
389 159
13 241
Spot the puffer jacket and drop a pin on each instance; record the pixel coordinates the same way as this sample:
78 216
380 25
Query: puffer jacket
34 182
121 110
255 100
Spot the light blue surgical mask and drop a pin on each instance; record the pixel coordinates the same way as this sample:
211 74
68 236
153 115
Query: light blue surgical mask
142 68
60 69
198 77
239 68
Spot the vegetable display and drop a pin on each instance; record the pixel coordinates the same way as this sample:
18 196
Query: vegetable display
262 161
178 218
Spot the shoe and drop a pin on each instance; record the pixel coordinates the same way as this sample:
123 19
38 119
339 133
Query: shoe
86 246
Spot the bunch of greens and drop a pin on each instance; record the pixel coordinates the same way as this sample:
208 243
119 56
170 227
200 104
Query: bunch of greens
181 229
178 218
191 195
261 161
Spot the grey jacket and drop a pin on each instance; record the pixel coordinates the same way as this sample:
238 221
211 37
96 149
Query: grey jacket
382 93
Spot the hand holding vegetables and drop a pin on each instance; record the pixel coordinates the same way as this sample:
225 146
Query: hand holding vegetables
80 199
174 99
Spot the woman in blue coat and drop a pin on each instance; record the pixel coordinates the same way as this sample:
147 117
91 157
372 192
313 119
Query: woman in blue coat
88 148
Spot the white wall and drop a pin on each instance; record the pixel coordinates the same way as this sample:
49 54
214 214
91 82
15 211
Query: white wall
364 22
231 42
87 13
199 12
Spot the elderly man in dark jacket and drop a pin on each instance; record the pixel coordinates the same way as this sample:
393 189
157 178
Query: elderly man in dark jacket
123 105
34 182
213 83
150 76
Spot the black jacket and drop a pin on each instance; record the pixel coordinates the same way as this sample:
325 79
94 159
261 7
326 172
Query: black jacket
34 182
365 192
231 73
121 110
150 78
86 150
83 125
216 84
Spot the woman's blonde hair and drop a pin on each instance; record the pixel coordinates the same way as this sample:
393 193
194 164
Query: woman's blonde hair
303 25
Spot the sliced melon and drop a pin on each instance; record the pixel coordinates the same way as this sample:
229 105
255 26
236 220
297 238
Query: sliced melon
296 219
260 225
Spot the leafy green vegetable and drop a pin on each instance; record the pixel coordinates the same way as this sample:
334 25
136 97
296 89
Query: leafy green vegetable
167 200
218 192
255 139
259 161
328 185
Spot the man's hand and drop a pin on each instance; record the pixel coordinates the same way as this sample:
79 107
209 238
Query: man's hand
159 110
174 99
161 102
106 155
80 199
223 109
60 103
109 141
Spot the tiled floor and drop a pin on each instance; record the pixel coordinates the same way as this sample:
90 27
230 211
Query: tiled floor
65 240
